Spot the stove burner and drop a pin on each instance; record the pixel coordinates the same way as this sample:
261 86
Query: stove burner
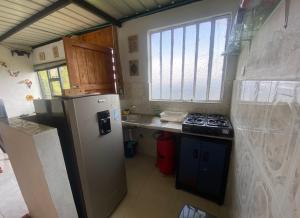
218 123
213 122
200 121
189 120
210 124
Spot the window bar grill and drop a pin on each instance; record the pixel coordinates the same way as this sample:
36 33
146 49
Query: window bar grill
160 63
171 63
210 63
211 54
49 81
60 80
183 54
196 60
150 66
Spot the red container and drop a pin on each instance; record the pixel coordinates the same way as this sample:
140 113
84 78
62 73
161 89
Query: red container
166 153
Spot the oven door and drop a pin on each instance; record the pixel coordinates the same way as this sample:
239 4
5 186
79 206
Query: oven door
203 166
211 167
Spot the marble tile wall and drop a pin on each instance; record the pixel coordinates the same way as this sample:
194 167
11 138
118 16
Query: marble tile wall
264 179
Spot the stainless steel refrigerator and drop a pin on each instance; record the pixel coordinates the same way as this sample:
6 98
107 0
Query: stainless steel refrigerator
3 116
90 132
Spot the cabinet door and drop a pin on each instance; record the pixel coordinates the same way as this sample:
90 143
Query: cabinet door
107 37
189 161
212 167
90 66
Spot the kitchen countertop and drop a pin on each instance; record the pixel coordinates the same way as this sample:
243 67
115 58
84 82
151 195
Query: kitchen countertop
25 126
154 122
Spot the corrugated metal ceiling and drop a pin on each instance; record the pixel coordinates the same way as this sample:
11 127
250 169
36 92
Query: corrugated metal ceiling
67 20
60 23
121 9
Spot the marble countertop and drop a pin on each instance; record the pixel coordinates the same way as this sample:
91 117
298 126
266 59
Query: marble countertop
25 126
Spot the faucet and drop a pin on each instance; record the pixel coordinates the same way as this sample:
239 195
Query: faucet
132 108
129 111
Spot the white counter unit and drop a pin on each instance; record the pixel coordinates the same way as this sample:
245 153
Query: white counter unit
37 160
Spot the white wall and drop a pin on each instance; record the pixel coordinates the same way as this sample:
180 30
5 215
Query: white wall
136 88
12 93
48 50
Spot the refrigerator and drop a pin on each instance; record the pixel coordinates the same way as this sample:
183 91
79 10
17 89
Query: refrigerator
90 131
3 116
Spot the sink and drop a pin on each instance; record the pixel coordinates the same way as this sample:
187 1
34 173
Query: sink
131 117
139 118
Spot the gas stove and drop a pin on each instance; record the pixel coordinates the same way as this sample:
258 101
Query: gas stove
210 124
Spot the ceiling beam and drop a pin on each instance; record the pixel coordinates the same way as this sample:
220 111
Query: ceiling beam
36 17
98 12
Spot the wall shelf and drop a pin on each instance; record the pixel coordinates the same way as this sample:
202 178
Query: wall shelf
250 16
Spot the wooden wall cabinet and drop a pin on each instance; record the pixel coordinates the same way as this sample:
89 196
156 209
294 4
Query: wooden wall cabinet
92 59
107 37
90 66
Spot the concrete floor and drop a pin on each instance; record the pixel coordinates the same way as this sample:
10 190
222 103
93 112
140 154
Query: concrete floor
150 194
153 195
12 204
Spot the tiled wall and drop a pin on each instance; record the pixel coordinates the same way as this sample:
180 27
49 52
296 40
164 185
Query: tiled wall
265 168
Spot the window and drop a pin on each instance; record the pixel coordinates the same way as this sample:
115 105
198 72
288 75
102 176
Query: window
187 62
53 80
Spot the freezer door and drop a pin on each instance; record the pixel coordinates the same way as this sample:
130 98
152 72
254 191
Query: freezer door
2 110
100 157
